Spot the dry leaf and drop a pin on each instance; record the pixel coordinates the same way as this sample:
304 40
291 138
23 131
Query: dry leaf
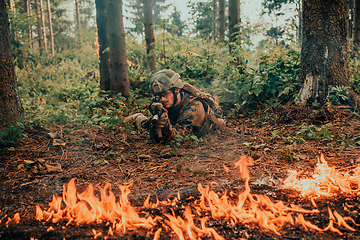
58 142
143 156
52 134
29 161
53 167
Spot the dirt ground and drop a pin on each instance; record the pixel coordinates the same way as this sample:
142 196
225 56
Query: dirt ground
38 168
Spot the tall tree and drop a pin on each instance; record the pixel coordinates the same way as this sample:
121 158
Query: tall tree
10 105
29 14
276 7
324 58
149 34
234 20
52 47
177 25
43 27
214 15
137 18
103 43
119 78
222 19
78 22
40 34
356 30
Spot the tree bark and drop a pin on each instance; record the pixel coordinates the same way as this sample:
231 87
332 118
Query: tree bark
10 105
214 11
234 20
356 29
51 29
299 36
78 22
324 56
43 27
29 14
104 58
149 34
39 24
119 78
222 19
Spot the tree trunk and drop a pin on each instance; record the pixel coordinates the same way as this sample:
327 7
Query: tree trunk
234 20
104 58
214 11
78 23
324 59
43 24
356 30
13 11
119 78
149 34
299 36
39 24
51 29
29 14
351 17
10 105
222 19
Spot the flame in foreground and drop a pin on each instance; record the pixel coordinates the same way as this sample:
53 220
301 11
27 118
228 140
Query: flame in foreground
325 181
85 207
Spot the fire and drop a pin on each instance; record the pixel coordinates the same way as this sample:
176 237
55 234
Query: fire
325 181
85 208
96 42
78 208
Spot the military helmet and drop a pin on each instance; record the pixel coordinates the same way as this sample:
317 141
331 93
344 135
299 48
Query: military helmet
164 80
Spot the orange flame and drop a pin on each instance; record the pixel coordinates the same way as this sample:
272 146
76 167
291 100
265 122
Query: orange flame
96 42
325 181
14 220
85 207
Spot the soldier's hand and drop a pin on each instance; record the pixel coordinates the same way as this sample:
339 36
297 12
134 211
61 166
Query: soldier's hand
163 121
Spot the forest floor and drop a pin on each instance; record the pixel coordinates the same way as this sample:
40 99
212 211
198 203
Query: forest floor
30 173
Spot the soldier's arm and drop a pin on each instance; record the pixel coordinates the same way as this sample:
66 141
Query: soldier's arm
186 122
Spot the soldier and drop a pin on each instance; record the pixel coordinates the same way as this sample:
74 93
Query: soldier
179 109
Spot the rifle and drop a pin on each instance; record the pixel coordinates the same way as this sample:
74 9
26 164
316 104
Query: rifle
156 109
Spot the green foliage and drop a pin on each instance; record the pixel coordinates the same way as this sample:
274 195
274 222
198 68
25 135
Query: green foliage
335 94
12 134
201 13
290 155
275 78
313 132
137 14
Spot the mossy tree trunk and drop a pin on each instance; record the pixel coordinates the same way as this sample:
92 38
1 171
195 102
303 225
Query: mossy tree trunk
234 20
324 51
119 78
214 17
10 105
222 19
104 57
356 27
149 34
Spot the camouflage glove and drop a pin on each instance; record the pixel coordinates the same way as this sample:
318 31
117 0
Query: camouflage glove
163 121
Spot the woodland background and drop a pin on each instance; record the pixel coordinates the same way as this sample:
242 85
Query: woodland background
70 71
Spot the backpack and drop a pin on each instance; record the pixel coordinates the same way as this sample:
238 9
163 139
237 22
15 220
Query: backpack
213 111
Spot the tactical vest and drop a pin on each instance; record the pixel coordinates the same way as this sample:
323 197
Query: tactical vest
213 119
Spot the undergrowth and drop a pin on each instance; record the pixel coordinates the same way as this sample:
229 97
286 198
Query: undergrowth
58 89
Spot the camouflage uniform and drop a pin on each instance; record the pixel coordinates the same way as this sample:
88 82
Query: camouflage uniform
191 116
185 118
